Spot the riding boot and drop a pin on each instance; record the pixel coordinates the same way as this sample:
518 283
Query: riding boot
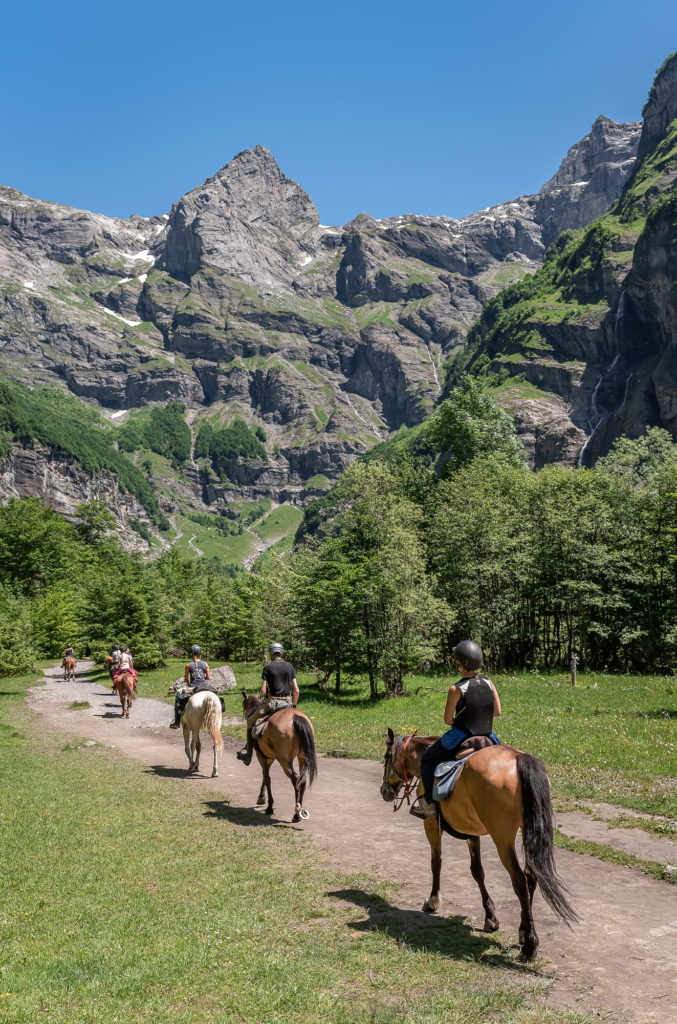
246 755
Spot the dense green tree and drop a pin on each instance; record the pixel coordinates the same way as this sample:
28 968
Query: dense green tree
470 423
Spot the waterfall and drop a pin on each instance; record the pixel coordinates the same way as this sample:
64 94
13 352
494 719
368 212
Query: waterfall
597 417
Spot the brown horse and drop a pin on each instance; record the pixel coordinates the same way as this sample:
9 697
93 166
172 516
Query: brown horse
69 668
108 664
498 791
287 735
125 684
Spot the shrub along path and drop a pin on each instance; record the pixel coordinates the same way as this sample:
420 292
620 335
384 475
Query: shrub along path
621 961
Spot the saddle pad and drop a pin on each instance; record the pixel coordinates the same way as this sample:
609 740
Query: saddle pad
446 775
260 725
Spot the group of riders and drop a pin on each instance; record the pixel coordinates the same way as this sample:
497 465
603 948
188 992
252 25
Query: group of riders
471 706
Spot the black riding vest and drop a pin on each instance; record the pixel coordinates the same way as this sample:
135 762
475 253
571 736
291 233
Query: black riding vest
475 708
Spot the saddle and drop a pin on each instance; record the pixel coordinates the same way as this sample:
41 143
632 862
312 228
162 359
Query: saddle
273 705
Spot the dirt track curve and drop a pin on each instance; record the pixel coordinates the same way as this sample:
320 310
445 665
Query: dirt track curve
620 963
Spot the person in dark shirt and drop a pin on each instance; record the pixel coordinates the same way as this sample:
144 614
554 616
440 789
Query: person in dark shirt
278 684
472 705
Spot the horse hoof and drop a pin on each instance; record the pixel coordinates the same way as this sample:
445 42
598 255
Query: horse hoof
304 814
491 926
429 908
268 810
215 775
261 801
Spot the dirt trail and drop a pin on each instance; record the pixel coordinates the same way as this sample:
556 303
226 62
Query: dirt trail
620 963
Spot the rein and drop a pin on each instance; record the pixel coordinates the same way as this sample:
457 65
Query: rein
409 783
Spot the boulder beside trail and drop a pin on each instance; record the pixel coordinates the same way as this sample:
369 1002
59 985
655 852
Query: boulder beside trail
222 679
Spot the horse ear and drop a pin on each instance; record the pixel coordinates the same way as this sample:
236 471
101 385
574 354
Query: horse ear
391 737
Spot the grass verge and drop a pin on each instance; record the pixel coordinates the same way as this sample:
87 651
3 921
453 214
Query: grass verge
127 896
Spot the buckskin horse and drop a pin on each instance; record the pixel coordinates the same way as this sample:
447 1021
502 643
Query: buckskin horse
203 711
499 790
125 684
69 668
286 736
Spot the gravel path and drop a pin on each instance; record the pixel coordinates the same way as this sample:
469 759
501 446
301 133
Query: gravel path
620 963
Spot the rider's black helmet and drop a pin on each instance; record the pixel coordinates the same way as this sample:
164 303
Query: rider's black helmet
468 654
124 647
195 650
275 649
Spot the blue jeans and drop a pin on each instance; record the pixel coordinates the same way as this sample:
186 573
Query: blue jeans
443 750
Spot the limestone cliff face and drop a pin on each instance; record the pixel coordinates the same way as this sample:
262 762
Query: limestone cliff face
239 302
591 351
34 471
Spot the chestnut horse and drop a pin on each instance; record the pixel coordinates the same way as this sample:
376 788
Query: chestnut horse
203 711
69 668
287 735
125 684
499 790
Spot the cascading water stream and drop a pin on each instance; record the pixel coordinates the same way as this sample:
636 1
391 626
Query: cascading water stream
597 417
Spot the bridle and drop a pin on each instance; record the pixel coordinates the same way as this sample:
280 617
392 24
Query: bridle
389 769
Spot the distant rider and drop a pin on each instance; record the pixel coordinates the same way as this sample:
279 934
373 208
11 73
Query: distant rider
278 678
68 653
196 676
472 704
126 664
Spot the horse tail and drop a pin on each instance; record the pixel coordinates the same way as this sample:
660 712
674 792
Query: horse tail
211 722
537 835
304 734
129 687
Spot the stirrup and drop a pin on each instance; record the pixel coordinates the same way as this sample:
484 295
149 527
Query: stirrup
245 756
423 809
174 724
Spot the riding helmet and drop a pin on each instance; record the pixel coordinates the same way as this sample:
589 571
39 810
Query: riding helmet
195 650
468 654
275 649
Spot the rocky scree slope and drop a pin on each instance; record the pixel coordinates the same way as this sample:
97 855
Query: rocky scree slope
589 345
240 303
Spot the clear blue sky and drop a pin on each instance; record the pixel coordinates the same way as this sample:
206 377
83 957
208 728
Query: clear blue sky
439 107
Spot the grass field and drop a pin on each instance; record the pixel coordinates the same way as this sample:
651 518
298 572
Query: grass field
127 897
612 738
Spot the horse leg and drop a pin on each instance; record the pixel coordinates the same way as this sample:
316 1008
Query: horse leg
296 783
477 871
265 768
261 799
528 938
187 743
434 836
198 748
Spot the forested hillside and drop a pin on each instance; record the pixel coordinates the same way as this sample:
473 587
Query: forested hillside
446 534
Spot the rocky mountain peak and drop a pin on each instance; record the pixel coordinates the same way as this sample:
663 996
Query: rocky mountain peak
590 177
248 220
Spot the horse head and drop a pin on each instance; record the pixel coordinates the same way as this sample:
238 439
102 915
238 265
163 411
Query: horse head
249 703
392 779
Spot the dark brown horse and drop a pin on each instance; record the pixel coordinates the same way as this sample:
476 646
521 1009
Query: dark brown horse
287 736
69 668
499 790
125 684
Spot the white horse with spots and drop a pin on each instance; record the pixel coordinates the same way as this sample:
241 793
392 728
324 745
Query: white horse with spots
202 712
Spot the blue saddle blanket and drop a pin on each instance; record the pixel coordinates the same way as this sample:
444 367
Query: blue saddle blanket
446 775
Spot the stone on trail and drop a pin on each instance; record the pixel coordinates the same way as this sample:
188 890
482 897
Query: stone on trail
222 679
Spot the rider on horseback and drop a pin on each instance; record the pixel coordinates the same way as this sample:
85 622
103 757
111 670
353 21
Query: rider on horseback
472 704
68 653
195 677
279 678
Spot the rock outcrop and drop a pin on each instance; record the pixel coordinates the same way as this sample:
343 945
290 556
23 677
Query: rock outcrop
592 342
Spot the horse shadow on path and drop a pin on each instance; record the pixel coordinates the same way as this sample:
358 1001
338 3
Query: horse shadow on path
447 936
224 810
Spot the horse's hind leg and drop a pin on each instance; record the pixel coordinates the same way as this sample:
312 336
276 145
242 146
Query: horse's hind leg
434 837
265 786
523 889
477 871
187 743
198 748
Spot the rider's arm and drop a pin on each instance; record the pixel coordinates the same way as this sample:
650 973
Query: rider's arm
452 700
264 684
497 701
207 671
295 691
